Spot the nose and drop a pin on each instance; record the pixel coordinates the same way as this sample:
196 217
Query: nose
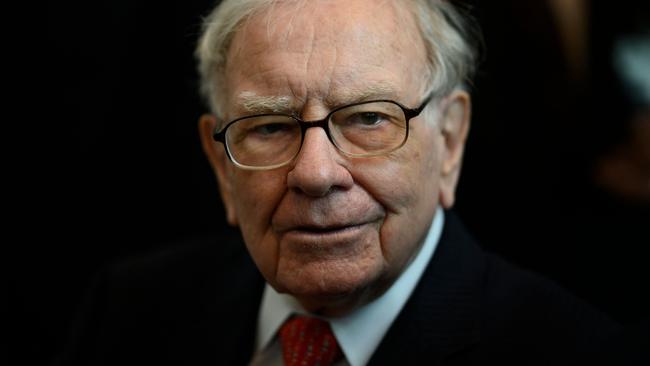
319 167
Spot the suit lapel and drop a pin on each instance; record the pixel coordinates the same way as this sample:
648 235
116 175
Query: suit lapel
441 318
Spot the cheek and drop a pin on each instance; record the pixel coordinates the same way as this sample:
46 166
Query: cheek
424 166
404 180
406 185
257 195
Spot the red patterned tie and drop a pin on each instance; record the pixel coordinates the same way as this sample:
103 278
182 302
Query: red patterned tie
308 341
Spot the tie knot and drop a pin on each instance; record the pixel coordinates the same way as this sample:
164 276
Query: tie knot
308 341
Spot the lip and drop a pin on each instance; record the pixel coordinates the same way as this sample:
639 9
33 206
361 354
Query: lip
321 237
340 218
317 225
324 230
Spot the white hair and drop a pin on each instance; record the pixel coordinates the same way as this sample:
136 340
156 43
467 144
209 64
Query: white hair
450 39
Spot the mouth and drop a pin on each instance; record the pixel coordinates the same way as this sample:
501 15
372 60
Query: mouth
309 229
340 238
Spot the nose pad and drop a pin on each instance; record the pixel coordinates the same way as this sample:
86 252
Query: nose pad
318 167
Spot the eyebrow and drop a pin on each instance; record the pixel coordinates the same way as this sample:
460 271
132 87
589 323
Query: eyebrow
353 95
253 103
250 102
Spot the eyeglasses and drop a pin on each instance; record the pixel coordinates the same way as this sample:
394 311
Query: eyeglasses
268 141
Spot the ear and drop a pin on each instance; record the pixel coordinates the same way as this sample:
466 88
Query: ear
454 125
216 155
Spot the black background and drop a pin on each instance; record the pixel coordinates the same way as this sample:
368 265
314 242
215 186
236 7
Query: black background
127 174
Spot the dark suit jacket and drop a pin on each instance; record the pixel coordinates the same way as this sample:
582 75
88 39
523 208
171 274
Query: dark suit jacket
198 305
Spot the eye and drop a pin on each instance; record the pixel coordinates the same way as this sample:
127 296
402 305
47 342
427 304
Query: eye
366 119
270 128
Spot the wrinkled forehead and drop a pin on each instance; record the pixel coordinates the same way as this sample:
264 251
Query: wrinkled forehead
295 25
342 34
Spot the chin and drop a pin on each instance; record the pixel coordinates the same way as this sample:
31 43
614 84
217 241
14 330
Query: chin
330 285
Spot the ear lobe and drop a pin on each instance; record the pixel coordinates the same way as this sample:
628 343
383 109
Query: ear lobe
218 160
454 124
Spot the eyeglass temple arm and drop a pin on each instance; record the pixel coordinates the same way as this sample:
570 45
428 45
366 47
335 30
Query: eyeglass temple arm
219 136
413 112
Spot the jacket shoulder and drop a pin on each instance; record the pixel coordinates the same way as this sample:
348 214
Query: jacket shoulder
529 314
169 306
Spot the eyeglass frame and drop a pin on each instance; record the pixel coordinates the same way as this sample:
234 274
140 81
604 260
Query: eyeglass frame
409 113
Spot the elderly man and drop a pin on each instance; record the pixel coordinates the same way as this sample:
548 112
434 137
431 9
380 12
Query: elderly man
336 134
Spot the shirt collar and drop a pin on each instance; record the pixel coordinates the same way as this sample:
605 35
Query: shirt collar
371 320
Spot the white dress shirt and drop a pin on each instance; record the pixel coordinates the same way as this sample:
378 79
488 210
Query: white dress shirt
358 333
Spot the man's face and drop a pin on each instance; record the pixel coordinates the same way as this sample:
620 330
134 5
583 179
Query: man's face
331 230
